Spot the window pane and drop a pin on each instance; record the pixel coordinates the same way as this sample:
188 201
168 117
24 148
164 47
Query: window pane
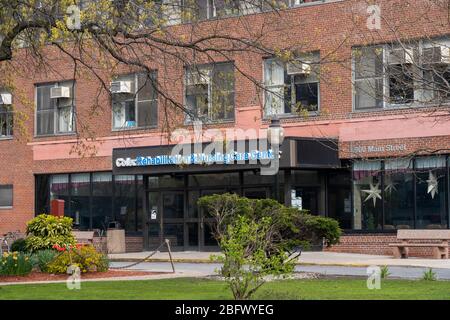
6 122
273 72
43 98
173 205
124 201
101 200
145 90
368 62
307 97
59 189
431 209
367 195
398 196
65 119
80 204
6 195
147 113
45 122
401 84
368 94
124 114
274 100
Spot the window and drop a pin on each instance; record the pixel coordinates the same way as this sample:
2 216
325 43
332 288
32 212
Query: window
6 196
413 74
400 193
293 87
209 94
6 121
137 106
54 115
368 87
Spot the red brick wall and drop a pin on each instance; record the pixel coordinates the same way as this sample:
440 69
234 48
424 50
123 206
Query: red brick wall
377 244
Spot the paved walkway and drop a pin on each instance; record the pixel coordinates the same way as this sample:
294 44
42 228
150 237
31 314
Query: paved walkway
189 269
307 258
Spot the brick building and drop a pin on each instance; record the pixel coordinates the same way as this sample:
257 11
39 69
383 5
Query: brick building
364 149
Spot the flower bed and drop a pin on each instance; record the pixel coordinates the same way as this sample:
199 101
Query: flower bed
40 276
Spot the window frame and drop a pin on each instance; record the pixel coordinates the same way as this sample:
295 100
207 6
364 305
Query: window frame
9 118
136 101
11 187
208 119
56 109
419 94
292 83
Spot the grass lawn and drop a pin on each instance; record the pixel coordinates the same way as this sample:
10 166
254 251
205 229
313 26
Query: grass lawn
186 288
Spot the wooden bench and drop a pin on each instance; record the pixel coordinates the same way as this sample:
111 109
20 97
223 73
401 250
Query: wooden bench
438 240
84 237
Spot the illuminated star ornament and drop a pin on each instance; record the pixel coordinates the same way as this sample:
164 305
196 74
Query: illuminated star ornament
373 193
432 185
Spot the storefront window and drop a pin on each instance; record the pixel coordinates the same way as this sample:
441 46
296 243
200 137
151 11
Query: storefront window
339 198
80 202
59 189
398 194
367 195
431 189
405 194
101 200
124 201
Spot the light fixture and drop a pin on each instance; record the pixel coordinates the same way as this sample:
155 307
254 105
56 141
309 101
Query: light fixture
275 132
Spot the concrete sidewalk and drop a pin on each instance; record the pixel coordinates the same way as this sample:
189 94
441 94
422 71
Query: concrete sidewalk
307 258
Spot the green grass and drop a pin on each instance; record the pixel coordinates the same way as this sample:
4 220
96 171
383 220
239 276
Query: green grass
187 288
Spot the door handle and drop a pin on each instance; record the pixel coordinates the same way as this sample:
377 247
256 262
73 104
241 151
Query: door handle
201 223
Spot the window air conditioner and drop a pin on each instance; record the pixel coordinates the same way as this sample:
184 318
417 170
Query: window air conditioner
120 87
297 67
5 98
401 56
59 92
439 54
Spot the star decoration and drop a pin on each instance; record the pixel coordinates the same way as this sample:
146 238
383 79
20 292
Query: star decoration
373 193
390 186
432 185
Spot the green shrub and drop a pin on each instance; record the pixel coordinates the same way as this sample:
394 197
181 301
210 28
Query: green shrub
85 257
15 264
45 231
293 227
43 258
20 245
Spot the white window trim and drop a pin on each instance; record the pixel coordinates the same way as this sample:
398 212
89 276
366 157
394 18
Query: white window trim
136 100
290 114
56 132
386 105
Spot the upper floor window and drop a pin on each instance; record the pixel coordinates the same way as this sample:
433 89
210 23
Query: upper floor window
408 75
134 101
55 106
209 93
6 115
6 196
292 87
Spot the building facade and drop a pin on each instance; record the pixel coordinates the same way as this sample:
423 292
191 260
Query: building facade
361 146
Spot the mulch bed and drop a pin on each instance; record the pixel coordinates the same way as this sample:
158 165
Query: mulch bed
39 276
